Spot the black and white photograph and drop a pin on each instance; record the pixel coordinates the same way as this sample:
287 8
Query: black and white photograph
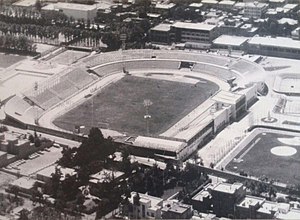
149 109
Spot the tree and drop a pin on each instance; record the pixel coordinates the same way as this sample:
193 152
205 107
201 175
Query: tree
111 40
38 5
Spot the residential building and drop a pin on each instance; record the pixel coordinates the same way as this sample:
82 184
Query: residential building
247 208
202 201
144 206
176 210
224 198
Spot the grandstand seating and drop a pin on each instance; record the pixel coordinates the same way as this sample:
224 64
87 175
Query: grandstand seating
109 68
243 67
63 89
79 77
217 71
58 88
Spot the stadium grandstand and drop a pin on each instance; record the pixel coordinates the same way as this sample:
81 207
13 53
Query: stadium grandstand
58 88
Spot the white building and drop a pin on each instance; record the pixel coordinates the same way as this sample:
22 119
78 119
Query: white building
145 206
255 9
77 11
275 46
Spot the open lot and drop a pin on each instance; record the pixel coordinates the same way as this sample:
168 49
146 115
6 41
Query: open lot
120 106
274 155
7 60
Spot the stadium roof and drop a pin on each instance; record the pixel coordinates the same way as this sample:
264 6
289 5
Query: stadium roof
227 97
230 40
157 143
275 42
194 26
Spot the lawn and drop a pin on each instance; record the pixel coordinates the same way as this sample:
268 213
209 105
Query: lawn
120 105
7 60
259 161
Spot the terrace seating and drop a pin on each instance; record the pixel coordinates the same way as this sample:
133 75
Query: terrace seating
79 77
151 64
64 89
216 71
109 68
243 67
45 99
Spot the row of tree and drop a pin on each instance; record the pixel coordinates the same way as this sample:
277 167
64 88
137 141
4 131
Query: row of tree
19 43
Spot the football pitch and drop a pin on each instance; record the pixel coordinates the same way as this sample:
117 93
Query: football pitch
120 106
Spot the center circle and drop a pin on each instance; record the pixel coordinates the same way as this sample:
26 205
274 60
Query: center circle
283 151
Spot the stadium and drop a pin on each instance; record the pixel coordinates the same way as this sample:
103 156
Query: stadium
161 103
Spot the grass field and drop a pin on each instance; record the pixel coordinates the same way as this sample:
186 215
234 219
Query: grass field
7 60
259 161
120 106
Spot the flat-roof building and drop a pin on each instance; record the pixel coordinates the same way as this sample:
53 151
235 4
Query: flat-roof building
230 42
194 32
145 206
160 33
76 11
275 46
224 198
255 9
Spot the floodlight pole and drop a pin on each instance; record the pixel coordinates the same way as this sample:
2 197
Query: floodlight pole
147 117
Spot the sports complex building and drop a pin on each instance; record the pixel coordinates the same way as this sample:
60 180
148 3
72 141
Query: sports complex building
161 104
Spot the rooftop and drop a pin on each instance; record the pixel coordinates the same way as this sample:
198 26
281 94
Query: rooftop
292 214
268 207
256 5
227 187
162 27
251 201
25 3
196 5
230 40
47 172
23 182
157 143
226 97
275 42
105 175
154 201
210 2
74 6
226 2
194 26
174 206
165 6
